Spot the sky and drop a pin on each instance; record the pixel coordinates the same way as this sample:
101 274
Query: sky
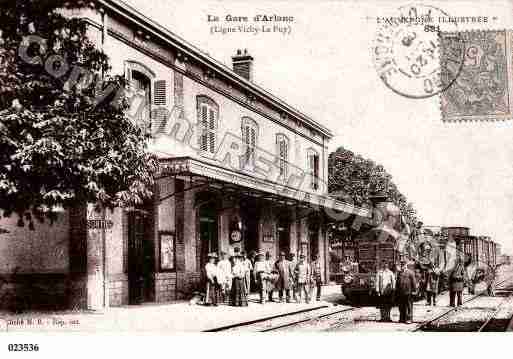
455 174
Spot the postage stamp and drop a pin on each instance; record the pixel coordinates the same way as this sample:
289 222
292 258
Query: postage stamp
483 89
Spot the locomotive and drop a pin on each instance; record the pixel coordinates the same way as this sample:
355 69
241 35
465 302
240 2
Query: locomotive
382 242
389 240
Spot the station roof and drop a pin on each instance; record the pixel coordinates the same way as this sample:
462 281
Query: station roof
220 177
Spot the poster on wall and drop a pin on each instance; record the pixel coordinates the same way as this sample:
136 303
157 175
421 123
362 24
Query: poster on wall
167 250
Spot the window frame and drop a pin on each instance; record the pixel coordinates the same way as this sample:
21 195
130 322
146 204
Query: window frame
158 94
283 160
210 130
249 149
313 170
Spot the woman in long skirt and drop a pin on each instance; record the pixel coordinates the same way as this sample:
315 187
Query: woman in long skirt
212 290
238 295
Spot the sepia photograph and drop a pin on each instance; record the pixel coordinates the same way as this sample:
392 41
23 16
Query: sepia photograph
239 167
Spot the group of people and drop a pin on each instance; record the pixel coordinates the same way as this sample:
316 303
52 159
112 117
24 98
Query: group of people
401 286
230 280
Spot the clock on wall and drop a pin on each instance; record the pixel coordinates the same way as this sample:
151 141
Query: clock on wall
235 230
235 236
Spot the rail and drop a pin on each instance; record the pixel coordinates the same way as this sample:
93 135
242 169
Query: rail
449 311
291 324
260 320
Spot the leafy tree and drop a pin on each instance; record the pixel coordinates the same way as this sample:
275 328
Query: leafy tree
352 178
59 144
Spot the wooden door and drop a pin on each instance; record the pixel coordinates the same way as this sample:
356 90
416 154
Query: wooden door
141 259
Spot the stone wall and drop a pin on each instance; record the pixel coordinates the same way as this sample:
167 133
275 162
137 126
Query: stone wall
22 292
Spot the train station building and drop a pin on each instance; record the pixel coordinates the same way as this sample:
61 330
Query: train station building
239 168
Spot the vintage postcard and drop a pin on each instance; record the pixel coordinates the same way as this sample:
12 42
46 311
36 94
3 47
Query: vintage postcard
274 166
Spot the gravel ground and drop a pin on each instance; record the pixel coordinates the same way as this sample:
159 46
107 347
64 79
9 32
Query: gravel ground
469 317
271 323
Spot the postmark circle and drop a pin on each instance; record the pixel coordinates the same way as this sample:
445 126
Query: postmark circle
413 56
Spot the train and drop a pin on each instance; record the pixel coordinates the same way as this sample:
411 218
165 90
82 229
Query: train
424 247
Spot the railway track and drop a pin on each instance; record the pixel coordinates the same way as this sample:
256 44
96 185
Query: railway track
473 319
283 321
478 313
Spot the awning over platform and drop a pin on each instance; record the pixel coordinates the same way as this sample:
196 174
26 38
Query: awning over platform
219 177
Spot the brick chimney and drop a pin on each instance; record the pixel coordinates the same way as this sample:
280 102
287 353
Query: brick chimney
243 64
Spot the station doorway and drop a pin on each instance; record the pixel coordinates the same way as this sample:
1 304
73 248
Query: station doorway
207 231
141 258
313 240
250 232
283 235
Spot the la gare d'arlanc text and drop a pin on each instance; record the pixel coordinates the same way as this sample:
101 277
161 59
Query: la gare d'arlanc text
256 18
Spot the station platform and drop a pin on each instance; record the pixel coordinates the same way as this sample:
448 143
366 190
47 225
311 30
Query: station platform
156 317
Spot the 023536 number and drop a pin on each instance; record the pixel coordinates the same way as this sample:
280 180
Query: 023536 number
23 347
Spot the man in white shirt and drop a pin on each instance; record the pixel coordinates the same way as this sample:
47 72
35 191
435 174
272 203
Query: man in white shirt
385 287
248 266
303 277
272 276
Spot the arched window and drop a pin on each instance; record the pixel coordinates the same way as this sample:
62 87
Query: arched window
249 130
148 95
312 157
282 150
140 84
208 117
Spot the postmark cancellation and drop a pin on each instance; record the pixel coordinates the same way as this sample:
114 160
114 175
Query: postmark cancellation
483 89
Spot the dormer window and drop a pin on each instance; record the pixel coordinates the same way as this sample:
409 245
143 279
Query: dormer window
313 168
208 117
282 150
249 137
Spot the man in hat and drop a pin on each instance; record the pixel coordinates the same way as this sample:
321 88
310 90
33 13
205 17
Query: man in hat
238 294
457 282
405 287
212 290
261 270
285 275
303 273
248 268
317 275
270 278
224 276
385 286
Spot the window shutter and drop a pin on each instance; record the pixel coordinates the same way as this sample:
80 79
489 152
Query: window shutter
212 122
204 127
158 115
313 165
253 138
159 93
211 142
252 144
212 131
